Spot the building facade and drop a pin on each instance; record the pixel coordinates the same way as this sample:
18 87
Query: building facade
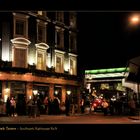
38 55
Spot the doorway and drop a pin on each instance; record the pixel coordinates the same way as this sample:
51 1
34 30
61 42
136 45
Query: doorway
21 104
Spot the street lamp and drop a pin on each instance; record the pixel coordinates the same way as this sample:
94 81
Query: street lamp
134 19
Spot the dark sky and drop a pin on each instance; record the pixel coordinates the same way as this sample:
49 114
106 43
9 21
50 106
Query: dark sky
105 39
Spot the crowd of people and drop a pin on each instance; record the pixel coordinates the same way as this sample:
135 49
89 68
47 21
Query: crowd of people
110 107
52 106
35 106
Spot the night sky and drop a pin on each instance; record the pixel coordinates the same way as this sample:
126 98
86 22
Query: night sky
105 39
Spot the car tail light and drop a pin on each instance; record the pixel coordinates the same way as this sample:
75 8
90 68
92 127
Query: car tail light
94 105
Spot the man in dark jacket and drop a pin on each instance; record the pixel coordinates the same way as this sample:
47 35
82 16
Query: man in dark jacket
67 105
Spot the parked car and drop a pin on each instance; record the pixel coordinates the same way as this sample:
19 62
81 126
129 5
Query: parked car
97 104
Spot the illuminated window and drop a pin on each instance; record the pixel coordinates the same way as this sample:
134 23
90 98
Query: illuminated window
58 64
41 55
40 61
72 64
59 61
71 67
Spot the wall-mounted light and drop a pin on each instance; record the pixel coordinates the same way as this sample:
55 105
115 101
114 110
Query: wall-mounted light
35 92
68 92
56 92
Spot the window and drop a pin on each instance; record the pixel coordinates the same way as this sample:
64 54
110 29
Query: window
41 29
59 61
41 55
40 33
20 61
72 64
71 67
20 52
72 42
40 61
58 64
58 38
72 20
20 25
60 16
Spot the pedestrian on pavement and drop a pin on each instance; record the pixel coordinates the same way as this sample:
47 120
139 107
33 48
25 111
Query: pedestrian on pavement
56 105
132 107
67 105
29 107
8 107
105 106
13 106
82 102
46 104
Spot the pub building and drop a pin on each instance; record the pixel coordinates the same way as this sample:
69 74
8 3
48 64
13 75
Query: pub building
38 55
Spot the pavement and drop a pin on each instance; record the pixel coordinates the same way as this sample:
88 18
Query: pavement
94 118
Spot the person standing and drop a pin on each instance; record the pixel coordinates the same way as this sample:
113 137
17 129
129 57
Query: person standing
30 106
67 105
46 104
82 102
132 107
13 106
56 104
105 106
8 105
50 106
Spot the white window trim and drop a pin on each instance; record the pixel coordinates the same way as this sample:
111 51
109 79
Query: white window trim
73 57
21 43
41 48
60 54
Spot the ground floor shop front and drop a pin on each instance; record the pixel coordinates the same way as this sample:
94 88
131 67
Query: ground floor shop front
24 87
